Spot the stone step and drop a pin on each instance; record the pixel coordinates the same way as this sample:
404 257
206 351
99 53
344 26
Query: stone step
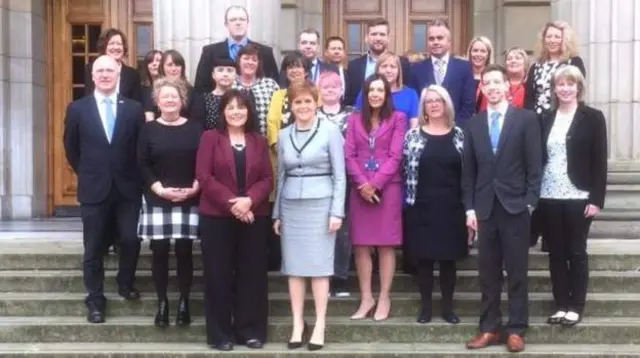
592 330
467 281
404 304
60 254
333 350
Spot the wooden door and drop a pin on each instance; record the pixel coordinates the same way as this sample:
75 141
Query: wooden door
408 22
74 29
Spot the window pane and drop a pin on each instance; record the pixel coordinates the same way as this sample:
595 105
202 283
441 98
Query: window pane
78 70
354 37
419 37
144 39
77 38
94 34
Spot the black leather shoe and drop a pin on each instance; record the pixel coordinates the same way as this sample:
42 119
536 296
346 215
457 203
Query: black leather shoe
450 317
304 338
184 317
424 317
162 317
224 346
129 294
254 343
95 315
314 347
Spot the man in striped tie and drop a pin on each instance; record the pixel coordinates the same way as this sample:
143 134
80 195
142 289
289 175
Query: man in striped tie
236 18
100 138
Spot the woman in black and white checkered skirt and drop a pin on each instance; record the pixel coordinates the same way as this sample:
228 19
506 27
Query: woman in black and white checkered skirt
167 149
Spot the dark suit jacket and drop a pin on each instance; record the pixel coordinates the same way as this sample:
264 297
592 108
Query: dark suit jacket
458 81
355 74
513 174
130 83
98 163
322 67
586 151
204 83
216 173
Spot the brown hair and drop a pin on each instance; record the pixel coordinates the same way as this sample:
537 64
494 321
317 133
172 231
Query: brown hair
106 36
250 50
390 56
299 89
495 67
147 80
334 38
177 59
378 22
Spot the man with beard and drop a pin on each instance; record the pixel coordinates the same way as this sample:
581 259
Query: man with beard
501 173
364 66
441 68
236 18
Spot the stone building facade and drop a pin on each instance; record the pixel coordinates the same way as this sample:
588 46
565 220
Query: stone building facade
36 84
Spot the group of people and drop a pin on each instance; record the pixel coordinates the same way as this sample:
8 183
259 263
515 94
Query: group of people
303 165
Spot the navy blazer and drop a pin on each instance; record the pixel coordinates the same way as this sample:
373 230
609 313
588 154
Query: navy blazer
98 163
130 83
356 70
204 82
458 81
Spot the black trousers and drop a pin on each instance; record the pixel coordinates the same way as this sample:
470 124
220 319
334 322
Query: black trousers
120 213
566 230
234 258
160 265
504 238
447 280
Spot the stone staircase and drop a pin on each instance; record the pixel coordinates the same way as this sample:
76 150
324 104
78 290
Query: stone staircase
42 313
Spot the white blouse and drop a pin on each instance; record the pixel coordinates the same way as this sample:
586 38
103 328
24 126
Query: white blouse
555 178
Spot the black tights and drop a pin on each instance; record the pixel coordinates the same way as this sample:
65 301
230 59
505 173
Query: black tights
447 280
160 265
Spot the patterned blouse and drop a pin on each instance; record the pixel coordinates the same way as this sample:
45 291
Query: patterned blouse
539 83
262 90
340 118
414 144
556 183
213 112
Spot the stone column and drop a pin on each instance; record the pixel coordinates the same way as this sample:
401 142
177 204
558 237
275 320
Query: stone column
187 26
609 35
23 110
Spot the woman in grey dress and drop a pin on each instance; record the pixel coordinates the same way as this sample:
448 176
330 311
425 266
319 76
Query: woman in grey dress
309 207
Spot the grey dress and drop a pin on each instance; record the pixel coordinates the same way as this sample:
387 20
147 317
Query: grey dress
310 189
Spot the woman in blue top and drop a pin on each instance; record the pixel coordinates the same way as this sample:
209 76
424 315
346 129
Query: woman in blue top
405 99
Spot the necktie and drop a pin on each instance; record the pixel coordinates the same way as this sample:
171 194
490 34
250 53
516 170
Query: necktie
235 48
439 67
494 130
110 117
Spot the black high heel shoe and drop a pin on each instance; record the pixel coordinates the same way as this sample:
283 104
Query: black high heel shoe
303 339
314 346
162 317
183 318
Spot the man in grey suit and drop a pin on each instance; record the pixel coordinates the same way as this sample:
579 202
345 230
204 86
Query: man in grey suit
502 166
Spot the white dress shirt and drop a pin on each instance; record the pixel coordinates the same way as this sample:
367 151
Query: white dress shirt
102 107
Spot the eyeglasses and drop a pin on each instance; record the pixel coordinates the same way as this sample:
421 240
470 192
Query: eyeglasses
433 100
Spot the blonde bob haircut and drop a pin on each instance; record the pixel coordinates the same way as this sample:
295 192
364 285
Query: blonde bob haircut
449 111
175 83
390 56
569 41
485 40
571 74
522 52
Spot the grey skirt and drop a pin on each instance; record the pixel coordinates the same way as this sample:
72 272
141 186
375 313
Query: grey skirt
307 246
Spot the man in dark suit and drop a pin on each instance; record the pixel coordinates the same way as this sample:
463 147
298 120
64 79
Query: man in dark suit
452 73
335 54
308 46
502 168
100 138
236 18
364 66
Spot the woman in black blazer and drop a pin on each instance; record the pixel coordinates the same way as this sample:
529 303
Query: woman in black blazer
112 42
572 191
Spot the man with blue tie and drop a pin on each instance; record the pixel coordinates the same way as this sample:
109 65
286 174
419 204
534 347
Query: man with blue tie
308 46
100 140
501 173
454 74
236 18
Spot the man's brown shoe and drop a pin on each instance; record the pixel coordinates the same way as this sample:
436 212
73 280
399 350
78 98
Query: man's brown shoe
484 340
515 343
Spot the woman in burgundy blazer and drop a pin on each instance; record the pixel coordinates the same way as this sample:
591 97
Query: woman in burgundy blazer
235 175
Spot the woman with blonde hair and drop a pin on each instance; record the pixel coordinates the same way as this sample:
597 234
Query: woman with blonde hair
405 99
480 54
435 217
557 45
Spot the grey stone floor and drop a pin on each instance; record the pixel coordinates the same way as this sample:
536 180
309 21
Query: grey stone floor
55 229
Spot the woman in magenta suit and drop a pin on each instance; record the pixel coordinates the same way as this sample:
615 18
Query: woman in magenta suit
373 150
